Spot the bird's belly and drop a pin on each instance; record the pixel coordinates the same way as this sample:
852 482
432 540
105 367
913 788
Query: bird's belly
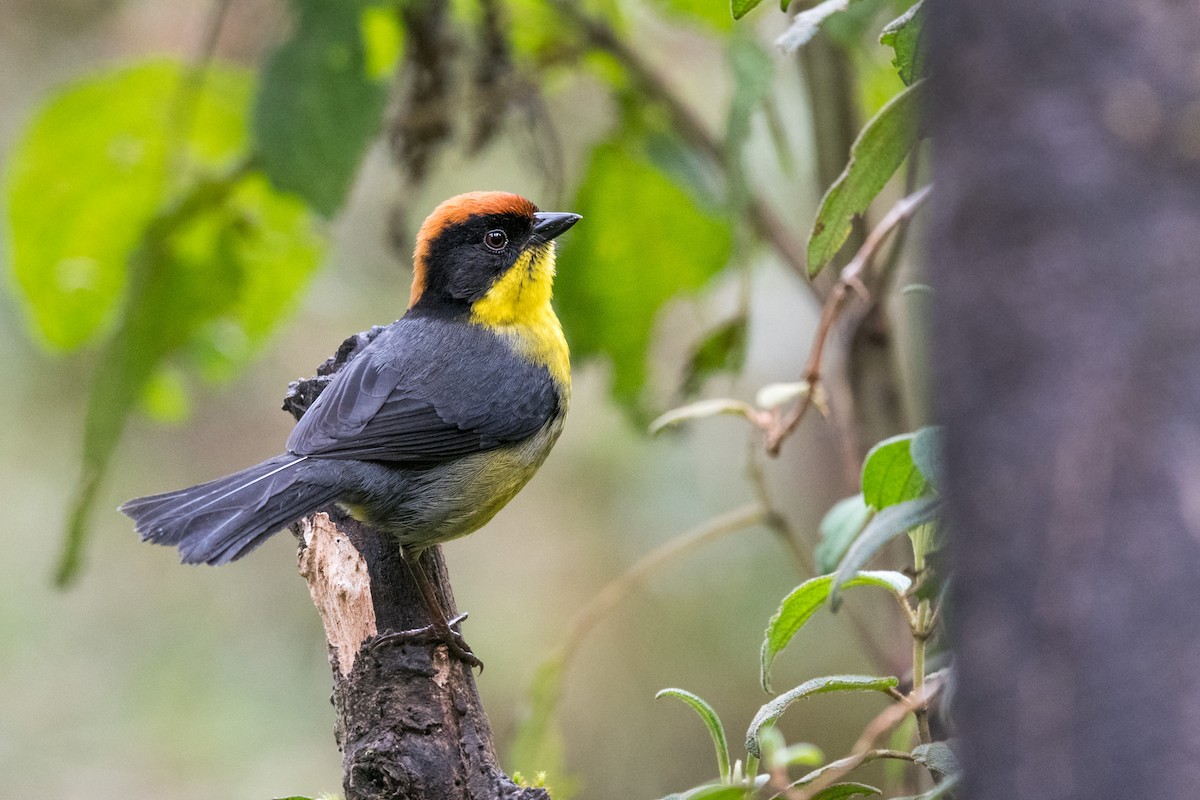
423 507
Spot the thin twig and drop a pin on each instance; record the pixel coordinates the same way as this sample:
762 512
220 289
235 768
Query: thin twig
862 752
624 585
811 784
690 127
850 280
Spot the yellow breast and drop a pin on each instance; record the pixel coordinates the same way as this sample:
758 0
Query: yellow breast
518 308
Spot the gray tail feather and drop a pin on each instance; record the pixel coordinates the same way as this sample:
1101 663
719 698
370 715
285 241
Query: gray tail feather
223 520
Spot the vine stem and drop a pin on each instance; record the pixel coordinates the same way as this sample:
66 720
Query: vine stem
920 634
780 426
623 585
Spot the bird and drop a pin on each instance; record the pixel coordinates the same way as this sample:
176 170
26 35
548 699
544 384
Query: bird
431 428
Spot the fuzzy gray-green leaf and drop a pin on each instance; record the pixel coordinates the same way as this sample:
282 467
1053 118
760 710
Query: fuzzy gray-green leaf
803 601
903 35
770 712
708 714
875 156
889 475
926 450
893 521
838 530
937 756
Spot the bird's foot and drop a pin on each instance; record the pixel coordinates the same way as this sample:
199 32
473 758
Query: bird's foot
434 633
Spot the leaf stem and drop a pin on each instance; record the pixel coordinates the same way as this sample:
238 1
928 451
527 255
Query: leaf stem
623 585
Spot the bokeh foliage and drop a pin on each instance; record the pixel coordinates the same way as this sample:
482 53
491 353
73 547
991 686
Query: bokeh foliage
168 215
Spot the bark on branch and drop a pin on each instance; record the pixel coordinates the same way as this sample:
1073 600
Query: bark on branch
410 723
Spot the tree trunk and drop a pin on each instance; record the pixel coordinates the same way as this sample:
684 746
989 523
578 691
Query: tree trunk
1065 239
410 723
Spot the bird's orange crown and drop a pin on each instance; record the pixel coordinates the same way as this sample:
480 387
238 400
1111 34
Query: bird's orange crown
454 211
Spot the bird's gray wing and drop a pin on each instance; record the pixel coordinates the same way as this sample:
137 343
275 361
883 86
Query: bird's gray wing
427 390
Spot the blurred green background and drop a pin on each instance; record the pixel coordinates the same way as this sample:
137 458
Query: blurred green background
147 679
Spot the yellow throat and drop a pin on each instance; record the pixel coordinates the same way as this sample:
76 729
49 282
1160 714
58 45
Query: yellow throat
518 307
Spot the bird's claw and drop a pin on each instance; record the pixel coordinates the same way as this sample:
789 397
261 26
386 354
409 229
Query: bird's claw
432 634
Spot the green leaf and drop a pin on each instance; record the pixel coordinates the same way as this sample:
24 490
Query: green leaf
319 104
225 252
803 601
769 713
903 35
232 250
937 756
838 529
838 791
807 22
889 475
723 349
926 449
79 195
644 243
740 8
716 731
893 521
875 156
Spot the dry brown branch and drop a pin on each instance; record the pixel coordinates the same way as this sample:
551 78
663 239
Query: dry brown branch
850 281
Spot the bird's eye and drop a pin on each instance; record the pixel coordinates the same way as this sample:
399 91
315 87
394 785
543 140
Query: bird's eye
495 239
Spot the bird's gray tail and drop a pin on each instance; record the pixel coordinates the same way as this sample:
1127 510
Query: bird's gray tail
222 520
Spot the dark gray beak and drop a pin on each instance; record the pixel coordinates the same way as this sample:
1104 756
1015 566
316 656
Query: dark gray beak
550 224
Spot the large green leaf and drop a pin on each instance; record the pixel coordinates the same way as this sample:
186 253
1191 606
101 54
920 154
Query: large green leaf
769 713
803 601
643 241
232 257
88 174
319 104
893 521
875 156
206 255
903 35
889 475
716 731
